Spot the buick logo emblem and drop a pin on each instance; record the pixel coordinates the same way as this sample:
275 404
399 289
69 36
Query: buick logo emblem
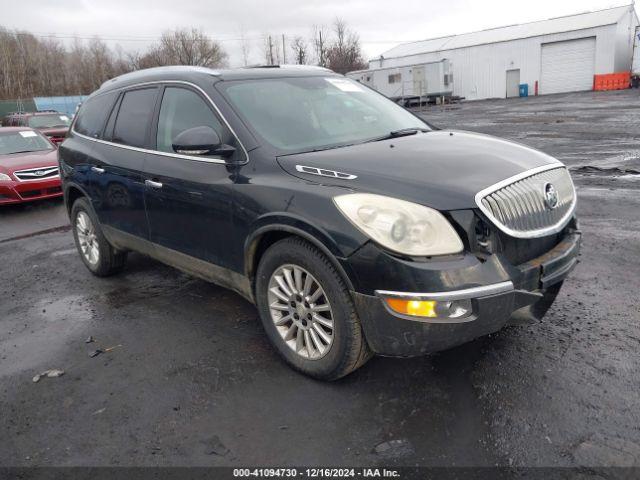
550 196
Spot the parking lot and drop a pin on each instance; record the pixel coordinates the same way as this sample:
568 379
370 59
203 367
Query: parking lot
192 380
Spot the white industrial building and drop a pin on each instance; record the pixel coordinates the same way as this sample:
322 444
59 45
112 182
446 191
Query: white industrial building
550 56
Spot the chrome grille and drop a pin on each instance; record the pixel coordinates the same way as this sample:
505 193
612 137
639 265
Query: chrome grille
41 173
519 206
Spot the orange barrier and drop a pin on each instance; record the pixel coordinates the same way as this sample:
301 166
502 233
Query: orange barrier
612 81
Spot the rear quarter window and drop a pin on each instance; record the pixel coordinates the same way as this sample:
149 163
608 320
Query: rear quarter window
134 117
93 114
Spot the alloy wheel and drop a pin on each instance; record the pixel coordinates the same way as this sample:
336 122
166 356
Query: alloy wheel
87 238
301 311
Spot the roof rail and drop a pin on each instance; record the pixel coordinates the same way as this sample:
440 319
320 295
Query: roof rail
166 69
291 66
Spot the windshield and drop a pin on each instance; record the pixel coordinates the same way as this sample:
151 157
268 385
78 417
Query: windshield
23 141
302 114
49 121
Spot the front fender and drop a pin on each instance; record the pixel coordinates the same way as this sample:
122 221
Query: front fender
299 226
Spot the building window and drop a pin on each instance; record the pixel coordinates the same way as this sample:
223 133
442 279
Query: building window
395 78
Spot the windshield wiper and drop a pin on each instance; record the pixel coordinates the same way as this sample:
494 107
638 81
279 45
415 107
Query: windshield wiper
403 132
318 149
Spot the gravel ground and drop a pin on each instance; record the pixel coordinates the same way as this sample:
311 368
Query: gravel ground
193 381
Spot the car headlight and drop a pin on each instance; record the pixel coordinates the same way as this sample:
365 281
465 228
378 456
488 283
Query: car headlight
4 177
400 226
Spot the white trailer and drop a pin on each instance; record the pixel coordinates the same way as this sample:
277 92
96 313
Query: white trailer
412 81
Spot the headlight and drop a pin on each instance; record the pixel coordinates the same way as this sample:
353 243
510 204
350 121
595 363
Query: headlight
4 177
403 227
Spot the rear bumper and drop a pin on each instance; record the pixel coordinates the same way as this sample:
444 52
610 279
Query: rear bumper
19 192
527 290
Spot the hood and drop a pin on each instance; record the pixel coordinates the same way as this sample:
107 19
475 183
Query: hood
441 169
21 161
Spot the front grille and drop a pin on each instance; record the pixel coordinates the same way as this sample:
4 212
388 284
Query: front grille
42 173
524 207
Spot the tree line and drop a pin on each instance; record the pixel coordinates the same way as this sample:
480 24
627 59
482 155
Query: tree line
31 66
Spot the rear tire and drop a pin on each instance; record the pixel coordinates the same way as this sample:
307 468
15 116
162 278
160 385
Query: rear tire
95 251
331 344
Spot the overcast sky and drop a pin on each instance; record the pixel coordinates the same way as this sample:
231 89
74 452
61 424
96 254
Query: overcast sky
381 24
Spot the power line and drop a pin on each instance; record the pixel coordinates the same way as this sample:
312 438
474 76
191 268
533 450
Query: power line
59 36
141 38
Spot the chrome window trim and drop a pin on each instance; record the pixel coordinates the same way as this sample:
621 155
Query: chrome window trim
467 293
158 152
508 181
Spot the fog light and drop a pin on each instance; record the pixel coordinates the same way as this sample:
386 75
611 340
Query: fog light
416 308
430 308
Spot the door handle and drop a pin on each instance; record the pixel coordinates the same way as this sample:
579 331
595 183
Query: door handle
97 169
153 184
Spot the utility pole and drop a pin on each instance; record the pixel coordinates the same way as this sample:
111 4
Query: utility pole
284 51
321 49
270 51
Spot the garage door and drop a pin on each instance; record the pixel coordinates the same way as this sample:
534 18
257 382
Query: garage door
568 66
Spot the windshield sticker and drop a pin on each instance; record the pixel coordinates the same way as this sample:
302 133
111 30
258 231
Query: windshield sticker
64 118
344 84
28 134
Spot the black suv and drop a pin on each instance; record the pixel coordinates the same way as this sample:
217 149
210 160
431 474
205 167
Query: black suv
354 226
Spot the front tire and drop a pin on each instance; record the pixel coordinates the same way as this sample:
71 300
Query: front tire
307 311
95 251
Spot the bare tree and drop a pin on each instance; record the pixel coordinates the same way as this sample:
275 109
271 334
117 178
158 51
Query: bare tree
299 47
344 54
269 50
273 54
320 38
185 47
30 66
244 45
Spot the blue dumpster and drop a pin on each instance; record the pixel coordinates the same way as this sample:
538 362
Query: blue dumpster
524 90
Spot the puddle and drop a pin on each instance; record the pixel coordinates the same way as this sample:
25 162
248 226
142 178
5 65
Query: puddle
71 308
53 325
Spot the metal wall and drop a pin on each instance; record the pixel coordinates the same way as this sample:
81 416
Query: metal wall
480 71
7 106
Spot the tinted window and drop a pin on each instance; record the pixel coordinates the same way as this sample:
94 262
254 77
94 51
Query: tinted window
92 115
182 109
134 117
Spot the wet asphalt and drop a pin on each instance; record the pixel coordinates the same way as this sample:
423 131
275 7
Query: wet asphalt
191 379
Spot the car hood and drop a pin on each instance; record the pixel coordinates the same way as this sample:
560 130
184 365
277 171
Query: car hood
21 161
441 169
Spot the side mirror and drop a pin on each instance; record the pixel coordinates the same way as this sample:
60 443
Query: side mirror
201 141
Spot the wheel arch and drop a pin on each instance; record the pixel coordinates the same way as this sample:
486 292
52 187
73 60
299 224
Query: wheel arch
71 193
263 237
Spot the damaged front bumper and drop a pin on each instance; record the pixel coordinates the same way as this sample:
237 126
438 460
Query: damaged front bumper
525 291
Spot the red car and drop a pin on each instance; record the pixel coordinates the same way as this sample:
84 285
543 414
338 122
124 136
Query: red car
28 166
54 125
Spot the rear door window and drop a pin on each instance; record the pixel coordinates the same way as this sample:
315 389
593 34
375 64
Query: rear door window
182 109
93 115
134 117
